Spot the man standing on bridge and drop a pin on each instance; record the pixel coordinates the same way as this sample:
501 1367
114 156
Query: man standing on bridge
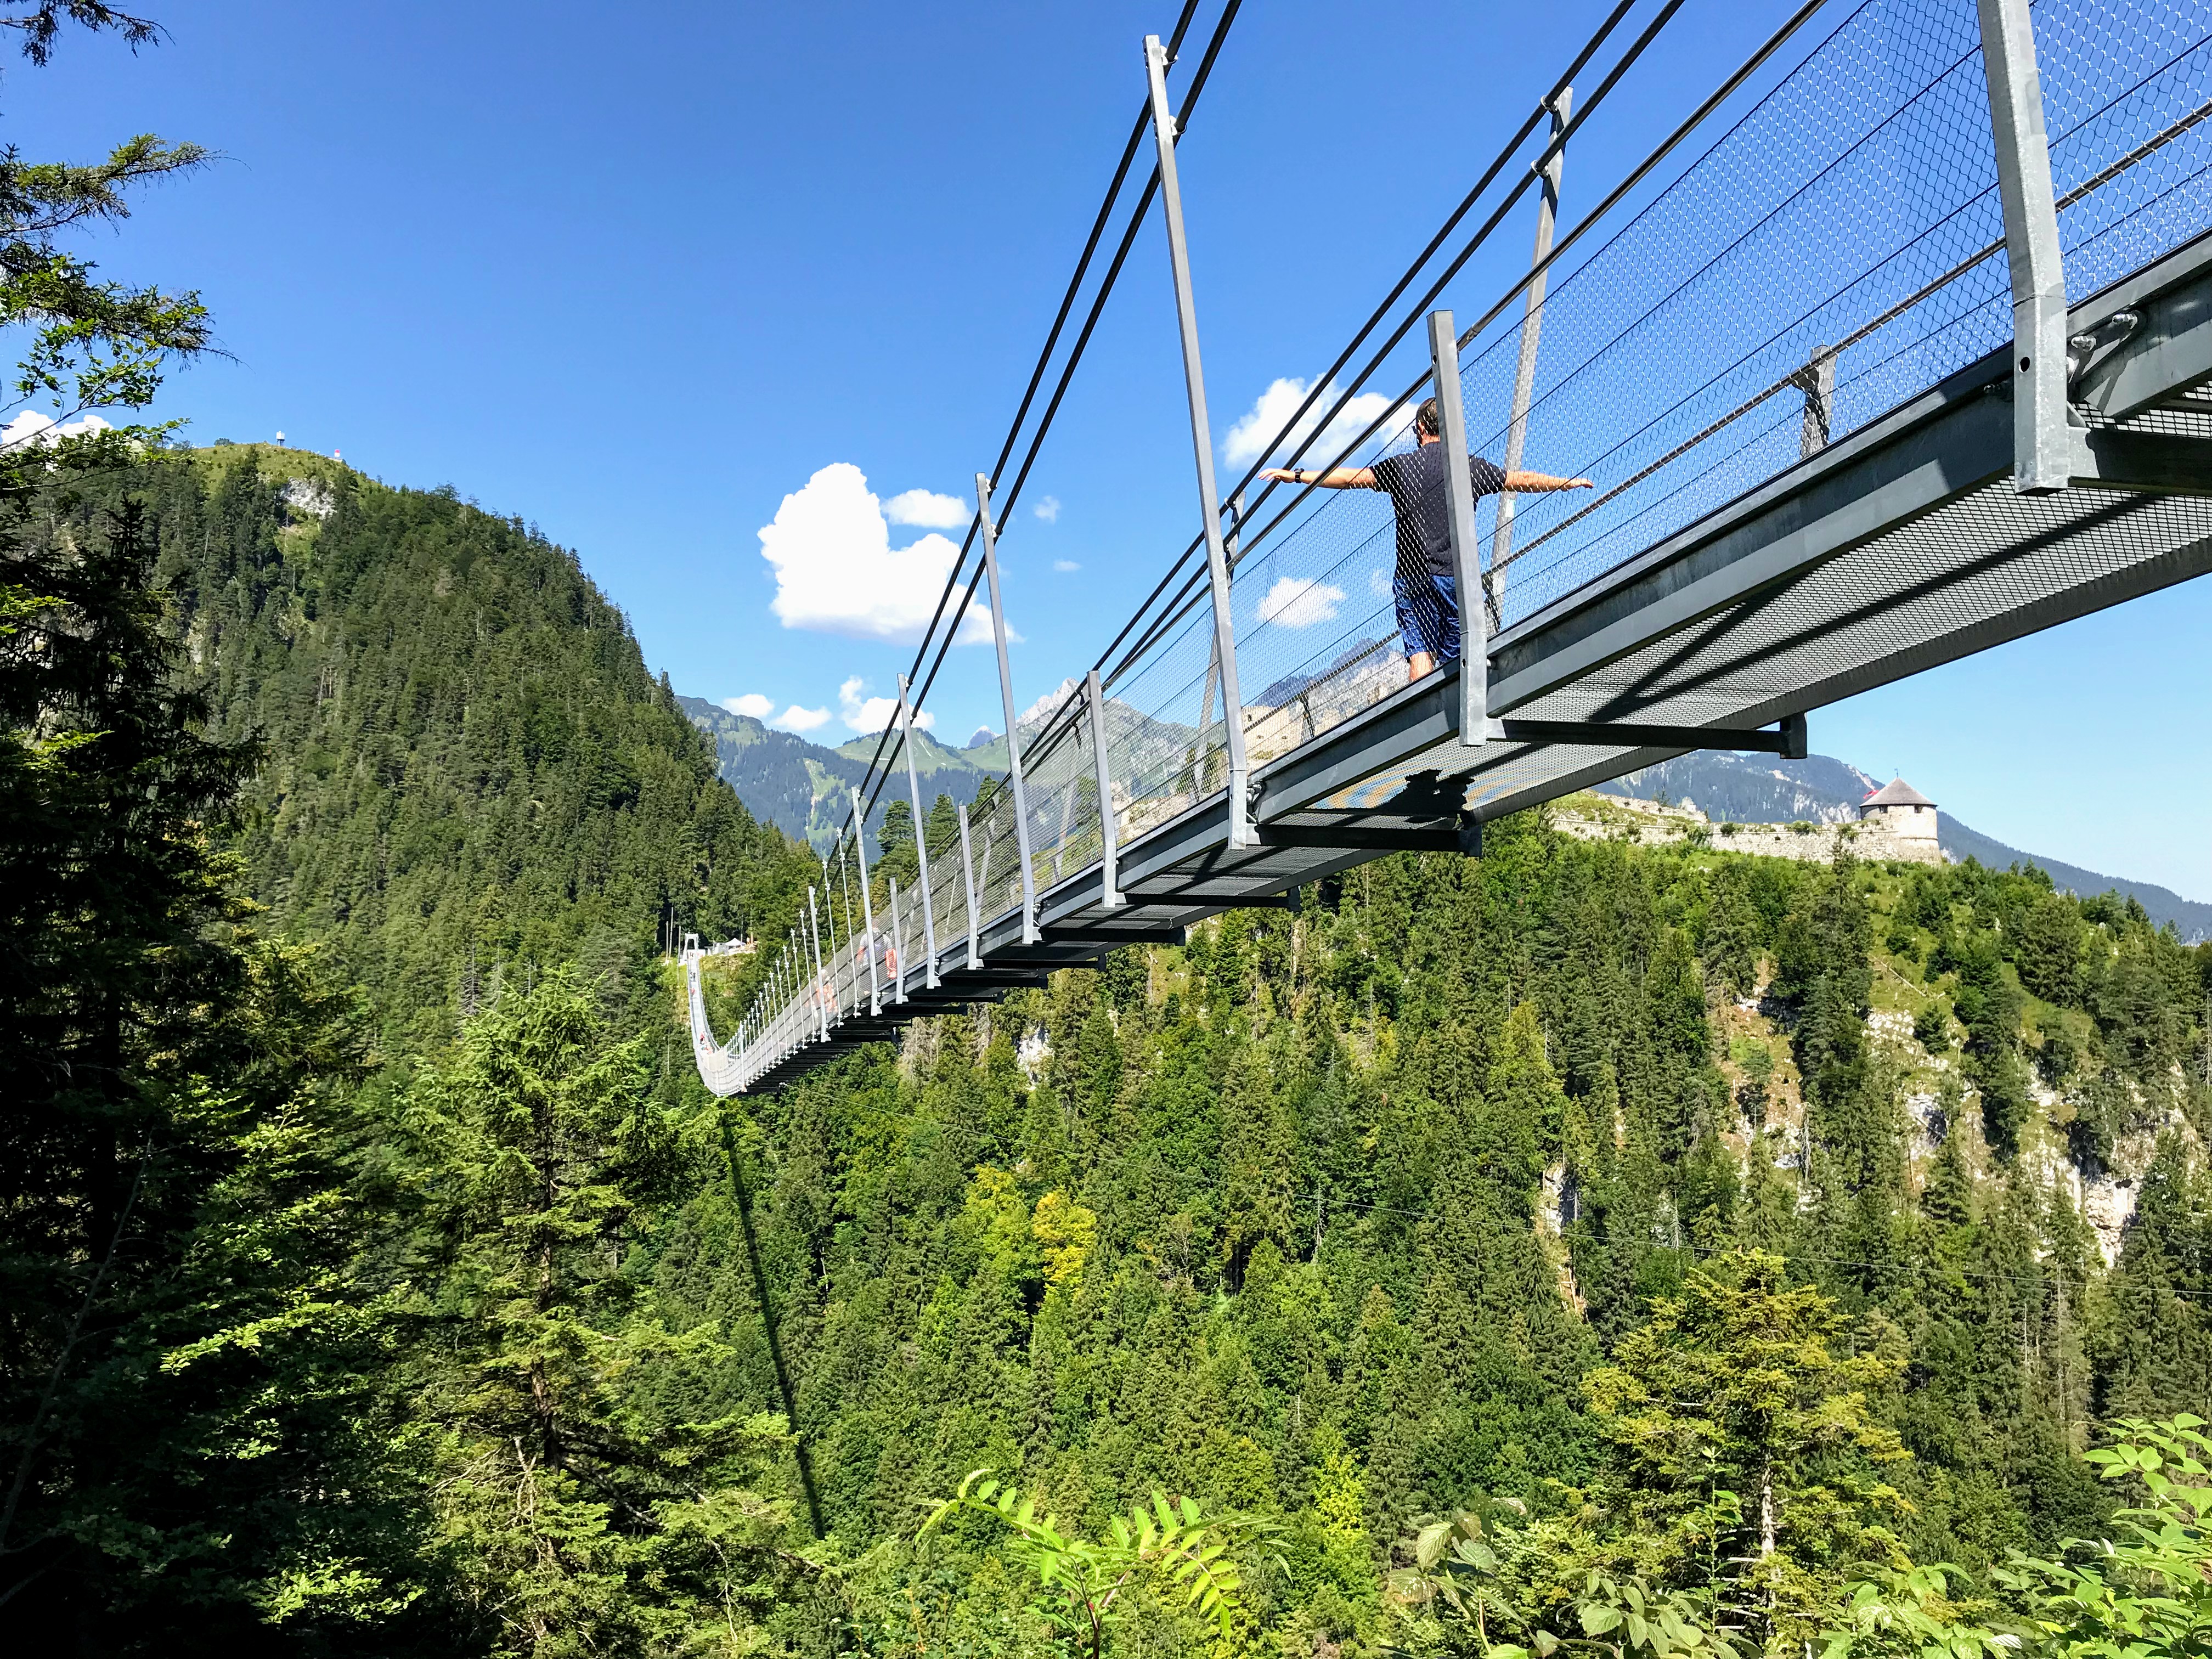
1423 585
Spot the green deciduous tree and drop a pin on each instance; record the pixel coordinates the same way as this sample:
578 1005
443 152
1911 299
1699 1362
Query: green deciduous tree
2146 1595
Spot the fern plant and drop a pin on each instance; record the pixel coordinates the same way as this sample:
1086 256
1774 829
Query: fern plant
1171 1546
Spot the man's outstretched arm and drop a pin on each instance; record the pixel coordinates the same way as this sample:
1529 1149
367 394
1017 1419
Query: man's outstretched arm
1334 477
1535 482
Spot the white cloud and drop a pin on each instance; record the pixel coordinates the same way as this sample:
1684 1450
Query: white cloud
31 426
793 719
1048 509
928 509
1064 566
874 713
1379 582
837 573
1298 602
1255 432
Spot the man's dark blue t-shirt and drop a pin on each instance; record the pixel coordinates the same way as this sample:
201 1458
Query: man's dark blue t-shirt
1415 484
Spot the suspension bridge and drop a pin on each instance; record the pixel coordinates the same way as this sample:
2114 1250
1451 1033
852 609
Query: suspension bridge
1899 347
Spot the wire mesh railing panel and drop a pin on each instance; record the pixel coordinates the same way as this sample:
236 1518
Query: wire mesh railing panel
1167 732
2127 93
997 857
948 889
1849 253
1063 803
1840 249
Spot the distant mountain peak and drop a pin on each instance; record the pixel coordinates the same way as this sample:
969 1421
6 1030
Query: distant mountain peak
1043 707
983 735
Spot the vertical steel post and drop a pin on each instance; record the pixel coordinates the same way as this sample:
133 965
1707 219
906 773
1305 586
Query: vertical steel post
968 875
898 946
1213 658
814 939
920 844
1524 373
1110 895
2042 446
1201 437
867 906
1817 380
1030 934
1466 558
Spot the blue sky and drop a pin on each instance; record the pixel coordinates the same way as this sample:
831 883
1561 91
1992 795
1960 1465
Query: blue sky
639 276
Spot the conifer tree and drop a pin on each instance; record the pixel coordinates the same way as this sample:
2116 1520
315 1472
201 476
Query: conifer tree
572 1517
1743 1436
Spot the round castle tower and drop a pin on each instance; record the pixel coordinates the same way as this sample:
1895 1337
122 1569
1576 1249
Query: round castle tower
1901 810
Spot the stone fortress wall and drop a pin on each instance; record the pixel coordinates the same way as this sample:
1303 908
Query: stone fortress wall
1606 817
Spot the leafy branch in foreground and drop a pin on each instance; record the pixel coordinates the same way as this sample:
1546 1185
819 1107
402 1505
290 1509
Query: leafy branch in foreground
1171 1546
1465 1568
2150 1597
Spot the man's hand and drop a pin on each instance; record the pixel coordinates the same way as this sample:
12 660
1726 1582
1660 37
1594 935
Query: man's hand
1537 482
1281 475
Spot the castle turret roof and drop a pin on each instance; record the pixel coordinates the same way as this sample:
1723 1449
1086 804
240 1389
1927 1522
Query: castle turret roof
1896 793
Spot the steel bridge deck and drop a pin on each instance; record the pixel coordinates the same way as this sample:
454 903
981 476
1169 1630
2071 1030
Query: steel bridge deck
1901 547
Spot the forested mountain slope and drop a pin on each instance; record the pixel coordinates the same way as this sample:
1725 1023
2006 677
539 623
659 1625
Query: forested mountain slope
467 767
1336 1217
805 789
498 1336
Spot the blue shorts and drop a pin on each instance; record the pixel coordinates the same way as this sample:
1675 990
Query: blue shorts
1428 615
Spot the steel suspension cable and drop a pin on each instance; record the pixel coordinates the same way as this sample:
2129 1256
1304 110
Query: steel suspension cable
1036 375
1505 155
1098 305
1001 505
1180 604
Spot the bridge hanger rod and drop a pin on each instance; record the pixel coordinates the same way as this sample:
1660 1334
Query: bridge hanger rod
2043 441
1006 697
1216 556
1075 358
1524 372
1065 710
920 842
